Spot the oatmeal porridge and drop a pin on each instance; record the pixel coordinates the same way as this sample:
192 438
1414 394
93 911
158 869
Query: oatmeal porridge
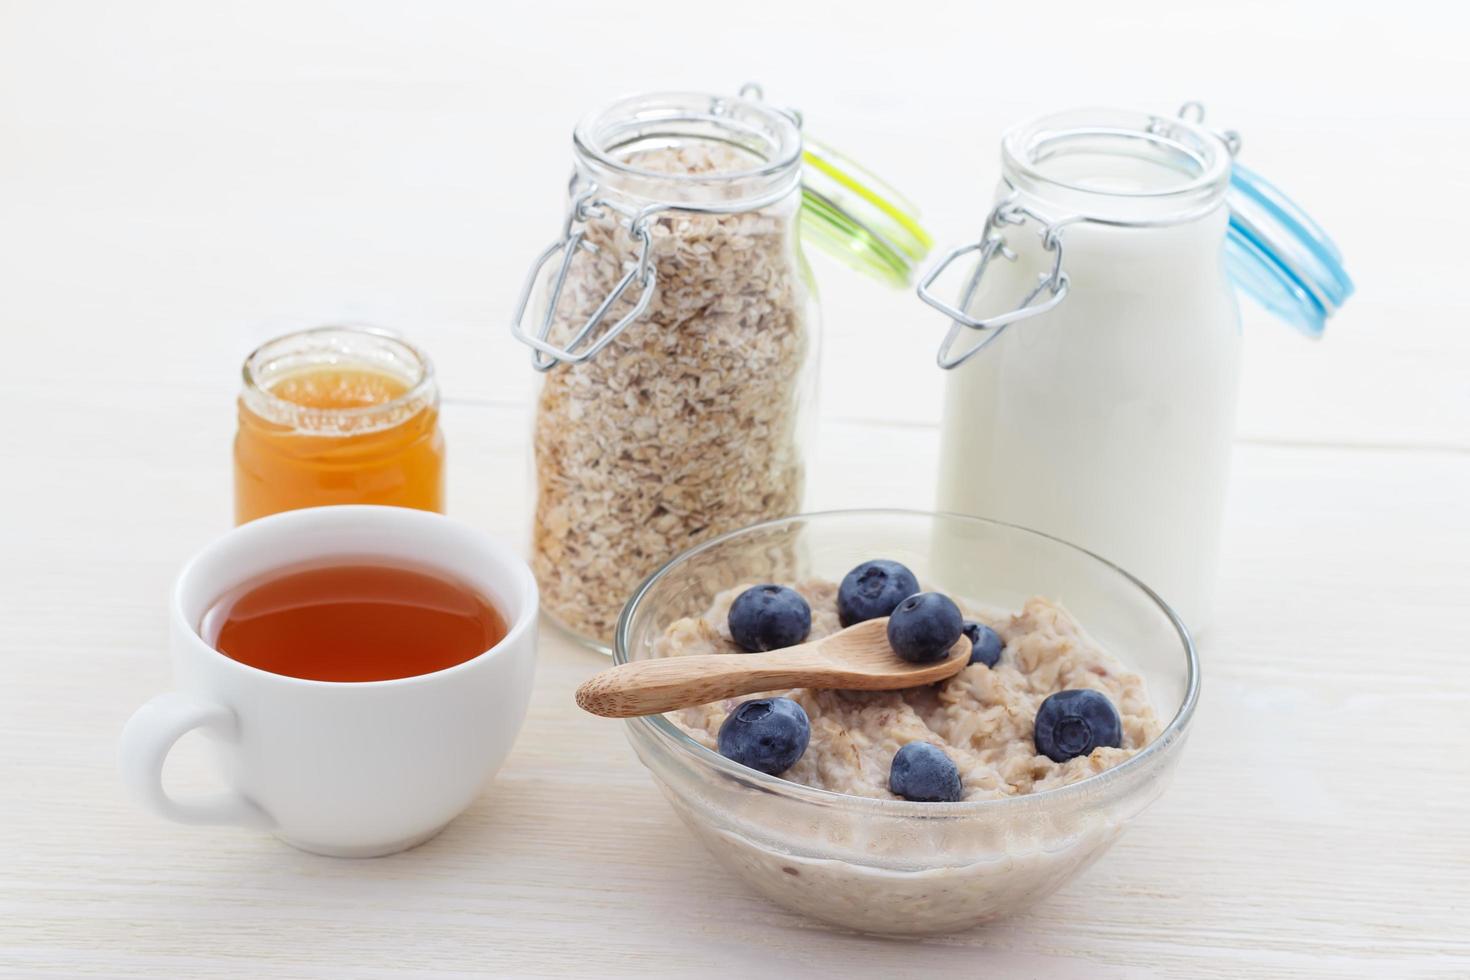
806 802
982 718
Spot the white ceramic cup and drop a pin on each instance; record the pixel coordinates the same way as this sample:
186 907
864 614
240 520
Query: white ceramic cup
346 769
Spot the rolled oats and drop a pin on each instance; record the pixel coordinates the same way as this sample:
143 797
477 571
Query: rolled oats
686 425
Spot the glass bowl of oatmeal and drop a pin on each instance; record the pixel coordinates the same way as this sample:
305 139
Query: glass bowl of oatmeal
826 838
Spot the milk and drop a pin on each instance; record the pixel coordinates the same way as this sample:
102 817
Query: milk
1108 420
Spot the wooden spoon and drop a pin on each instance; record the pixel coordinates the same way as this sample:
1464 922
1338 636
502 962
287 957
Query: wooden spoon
855 659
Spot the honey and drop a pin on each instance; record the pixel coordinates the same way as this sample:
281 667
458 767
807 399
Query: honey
337 415
346 387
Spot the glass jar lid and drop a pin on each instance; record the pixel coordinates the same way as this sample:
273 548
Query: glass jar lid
1280 257
1275 253
852 214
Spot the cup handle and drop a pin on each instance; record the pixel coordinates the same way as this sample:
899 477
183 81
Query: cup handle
148 738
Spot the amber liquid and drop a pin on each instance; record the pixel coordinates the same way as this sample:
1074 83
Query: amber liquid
352 460
353 621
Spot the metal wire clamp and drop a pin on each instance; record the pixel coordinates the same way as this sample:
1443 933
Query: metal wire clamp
584 206
992 242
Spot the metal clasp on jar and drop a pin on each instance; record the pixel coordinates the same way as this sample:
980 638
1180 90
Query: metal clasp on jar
992 242
1008 212
585 206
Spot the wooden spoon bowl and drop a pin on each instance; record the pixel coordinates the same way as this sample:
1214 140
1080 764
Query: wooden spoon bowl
855 659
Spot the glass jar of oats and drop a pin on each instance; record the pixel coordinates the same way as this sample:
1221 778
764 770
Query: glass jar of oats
677 338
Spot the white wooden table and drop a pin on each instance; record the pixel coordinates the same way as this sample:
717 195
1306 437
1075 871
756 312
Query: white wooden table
178 182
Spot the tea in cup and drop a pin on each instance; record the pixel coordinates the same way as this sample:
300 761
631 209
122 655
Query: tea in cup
360 672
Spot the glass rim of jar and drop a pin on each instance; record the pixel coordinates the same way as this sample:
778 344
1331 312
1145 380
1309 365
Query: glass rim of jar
1199 157
421 386
770 135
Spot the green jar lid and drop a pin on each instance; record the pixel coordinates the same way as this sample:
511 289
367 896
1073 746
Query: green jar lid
851 213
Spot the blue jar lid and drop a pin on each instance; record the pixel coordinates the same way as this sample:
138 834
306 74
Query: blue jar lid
1280 257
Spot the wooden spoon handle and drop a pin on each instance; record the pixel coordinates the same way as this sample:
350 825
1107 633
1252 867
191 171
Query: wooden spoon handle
648 687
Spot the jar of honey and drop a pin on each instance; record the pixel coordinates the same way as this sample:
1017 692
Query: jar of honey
337 415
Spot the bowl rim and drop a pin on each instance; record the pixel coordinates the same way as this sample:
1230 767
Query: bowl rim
663 730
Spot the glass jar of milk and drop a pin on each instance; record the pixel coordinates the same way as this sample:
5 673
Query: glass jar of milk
1094 350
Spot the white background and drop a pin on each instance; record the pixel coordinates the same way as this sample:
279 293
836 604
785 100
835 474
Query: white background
179 181
209 174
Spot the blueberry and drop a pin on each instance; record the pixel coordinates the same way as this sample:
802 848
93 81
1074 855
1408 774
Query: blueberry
1073 723
924 627
923 774
873 589
769 617
985 643
767 734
